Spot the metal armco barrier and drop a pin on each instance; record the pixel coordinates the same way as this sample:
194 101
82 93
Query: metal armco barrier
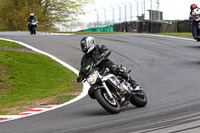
184 26
168 27
146 27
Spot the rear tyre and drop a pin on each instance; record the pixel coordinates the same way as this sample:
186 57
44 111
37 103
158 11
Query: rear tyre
139 99
111 105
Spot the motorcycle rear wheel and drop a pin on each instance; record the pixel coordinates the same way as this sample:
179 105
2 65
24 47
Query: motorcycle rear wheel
111 105
139 99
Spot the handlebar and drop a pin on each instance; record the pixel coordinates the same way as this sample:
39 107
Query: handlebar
97 63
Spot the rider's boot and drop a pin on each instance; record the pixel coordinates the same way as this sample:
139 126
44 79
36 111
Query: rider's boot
134 85
121 71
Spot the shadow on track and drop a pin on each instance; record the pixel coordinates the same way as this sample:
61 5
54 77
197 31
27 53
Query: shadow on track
102 112
187 63
195 47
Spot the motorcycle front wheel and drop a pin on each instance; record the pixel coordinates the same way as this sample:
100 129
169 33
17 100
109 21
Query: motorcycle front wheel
111 105
34 30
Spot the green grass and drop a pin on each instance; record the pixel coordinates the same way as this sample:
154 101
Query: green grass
31 76
186 34
8 44
61 99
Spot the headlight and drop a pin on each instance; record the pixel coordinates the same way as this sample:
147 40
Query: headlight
92 79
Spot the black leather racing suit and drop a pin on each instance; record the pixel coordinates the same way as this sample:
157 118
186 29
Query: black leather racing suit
195 29
29 20
99 52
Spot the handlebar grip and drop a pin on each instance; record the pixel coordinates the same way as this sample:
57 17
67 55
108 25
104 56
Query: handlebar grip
98 62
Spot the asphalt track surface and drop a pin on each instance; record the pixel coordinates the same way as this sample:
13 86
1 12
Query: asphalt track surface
167 68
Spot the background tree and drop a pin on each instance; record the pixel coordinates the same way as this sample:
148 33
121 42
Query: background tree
14 13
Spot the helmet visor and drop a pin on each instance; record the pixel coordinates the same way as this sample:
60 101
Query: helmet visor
84 46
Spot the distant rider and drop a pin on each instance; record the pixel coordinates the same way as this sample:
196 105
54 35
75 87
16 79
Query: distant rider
94 53
29 20
192 7
196 24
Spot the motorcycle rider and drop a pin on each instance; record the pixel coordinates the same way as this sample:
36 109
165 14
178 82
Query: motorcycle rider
95 53
196 24
29 20
192 7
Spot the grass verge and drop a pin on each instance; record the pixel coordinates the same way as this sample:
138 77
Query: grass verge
29 79
186 34
9 44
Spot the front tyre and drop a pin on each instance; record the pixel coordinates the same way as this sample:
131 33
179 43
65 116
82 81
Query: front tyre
34 30
111 105
139 99
31 32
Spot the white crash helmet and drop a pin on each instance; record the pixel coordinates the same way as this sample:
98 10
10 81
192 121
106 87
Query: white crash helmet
88 44
31 14
196 14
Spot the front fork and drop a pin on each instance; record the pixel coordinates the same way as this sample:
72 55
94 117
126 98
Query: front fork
107 90
105 86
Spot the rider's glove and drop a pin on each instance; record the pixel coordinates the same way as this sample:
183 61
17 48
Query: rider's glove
79 79
100 58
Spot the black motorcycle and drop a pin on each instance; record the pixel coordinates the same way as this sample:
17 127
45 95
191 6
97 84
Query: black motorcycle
33 26
112 92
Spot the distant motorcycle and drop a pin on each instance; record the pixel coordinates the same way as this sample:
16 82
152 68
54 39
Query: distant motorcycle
33 26
112 92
